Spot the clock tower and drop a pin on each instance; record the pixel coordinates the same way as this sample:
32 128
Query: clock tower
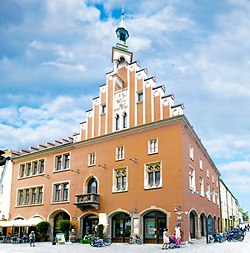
120 54
122 33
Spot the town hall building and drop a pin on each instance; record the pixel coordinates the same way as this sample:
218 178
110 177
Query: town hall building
136 166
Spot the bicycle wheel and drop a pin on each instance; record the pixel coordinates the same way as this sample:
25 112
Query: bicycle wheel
240 238
107 241
131 240
223 239
138 241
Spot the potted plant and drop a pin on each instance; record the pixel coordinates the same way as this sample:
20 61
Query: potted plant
64 226
42 228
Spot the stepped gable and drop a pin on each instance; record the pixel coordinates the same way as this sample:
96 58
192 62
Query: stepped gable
129 97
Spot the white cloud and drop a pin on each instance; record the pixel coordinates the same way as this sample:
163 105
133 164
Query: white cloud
239 166
69 67
67 14
54 119
227 146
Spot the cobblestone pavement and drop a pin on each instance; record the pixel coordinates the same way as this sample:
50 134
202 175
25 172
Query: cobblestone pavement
197 246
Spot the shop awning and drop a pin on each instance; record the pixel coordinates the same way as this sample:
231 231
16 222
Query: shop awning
21 223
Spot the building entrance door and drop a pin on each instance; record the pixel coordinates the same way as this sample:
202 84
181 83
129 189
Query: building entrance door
121 227
192 225
154 224
90 224
60 216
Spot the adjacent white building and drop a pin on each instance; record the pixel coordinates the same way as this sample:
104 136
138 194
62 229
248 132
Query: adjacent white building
5 187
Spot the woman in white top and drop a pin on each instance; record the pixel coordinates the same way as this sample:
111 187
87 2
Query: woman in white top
165 244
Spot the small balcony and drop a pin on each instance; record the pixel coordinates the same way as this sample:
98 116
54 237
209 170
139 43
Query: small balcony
87 200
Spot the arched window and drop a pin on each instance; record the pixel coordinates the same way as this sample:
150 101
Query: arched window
125 120
92 186
117 122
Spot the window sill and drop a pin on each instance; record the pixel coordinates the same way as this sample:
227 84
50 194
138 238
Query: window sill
155 153
152 187
120 191
57 171
36 175
29 205
118 160
60 202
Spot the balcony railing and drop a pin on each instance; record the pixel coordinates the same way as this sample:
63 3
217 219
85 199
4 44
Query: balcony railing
86 200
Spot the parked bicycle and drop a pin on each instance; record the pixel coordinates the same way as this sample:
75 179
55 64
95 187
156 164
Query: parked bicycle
217 238
135 239
235 234
100 242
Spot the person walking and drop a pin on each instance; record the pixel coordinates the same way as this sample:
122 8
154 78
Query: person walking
32 238
165 244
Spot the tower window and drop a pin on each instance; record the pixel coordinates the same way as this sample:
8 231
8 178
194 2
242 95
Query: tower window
125 120
104 107
117 122
139 96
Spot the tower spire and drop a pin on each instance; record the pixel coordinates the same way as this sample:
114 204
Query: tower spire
122 33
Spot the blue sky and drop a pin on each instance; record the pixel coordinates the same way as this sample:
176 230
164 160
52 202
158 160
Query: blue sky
54 55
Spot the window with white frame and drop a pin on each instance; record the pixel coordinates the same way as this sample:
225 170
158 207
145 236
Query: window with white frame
212 178
153 146
214 196
65 191
202 186
120 153
20 197
207 172
34 168
217 184
191 152
27 196
62 162
22 170
201 168
191 178
91 159
58 162
41 166
33 195
208 192
66 161
40 195
28 169
30 196
61 192
152 175
120 180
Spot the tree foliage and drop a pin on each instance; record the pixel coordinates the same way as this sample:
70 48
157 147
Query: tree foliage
64 225
245 214
43 227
